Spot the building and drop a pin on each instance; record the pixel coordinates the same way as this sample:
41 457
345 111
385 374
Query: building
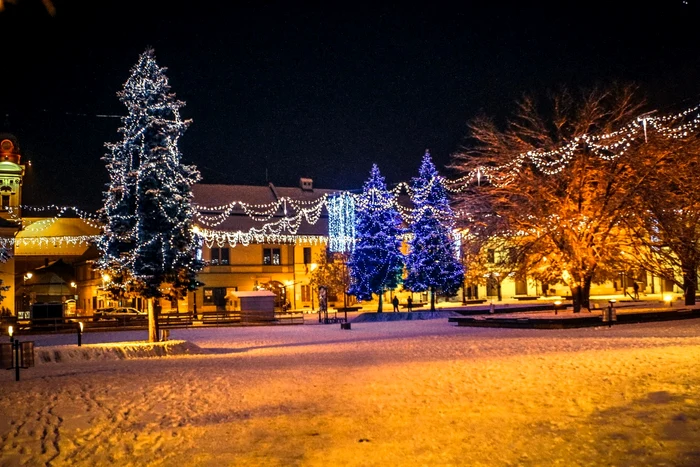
260 237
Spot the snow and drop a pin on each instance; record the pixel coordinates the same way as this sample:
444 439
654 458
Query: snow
418 392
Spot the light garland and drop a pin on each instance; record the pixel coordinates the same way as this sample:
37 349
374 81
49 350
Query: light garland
341 223
608 146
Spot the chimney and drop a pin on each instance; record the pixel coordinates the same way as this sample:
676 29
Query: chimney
306 184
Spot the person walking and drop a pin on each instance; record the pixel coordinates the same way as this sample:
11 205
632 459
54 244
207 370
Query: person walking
395 301
409 302
635 287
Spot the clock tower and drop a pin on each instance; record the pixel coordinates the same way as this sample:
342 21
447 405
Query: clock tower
11 173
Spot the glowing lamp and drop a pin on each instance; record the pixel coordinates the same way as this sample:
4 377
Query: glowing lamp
80 323
10 331
105 277
668 299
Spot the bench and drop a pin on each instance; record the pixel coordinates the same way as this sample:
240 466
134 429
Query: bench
413 306
525 297
175 319
220 317
290 317
331 316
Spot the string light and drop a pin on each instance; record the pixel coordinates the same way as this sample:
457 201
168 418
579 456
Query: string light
608 147
341 223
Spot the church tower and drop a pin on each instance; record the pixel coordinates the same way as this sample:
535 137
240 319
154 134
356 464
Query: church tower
11 173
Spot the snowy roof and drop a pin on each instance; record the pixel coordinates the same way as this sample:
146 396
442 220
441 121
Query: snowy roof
218 197
253 293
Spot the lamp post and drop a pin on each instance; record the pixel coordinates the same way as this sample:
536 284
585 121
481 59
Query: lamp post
80 333
557 304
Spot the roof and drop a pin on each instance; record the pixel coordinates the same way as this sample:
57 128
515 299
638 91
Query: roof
56 227
208 195
221 197
253 293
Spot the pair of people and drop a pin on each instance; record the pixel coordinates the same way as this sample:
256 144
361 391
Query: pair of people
409 303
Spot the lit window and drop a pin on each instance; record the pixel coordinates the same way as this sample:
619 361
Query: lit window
219 256
272 256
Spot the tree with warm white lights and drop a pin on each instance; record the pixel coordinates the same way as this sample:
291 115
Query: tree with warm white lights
376 262
332 271
148 237
666 224
433 261
556 184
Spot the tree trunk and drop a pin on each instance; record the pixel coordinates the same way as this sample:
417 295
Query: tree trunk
381 297
581 294
690 285
586 299
432 299
576 294
498 288
153 331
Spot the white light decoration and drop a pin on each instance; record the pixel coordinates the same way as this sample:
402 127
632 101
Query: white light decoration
341 223
341 206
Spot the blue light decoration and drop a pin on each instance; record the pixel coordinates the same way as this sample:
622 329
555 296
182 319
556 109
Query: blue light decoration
376 263
341 223
432 262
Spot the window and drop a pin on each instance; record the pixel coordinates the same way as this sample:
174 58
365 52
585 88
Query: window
305 293
215 296
490 255
5 201
219 256
272 256
307 255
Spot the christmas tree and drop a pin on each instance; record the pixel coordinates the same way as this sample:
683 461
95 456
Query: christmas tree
433 259
148 239
376 262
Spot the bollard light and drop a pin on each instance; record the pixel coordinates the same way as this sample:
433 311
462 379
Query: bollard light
556 306
668 298
80 333
10 331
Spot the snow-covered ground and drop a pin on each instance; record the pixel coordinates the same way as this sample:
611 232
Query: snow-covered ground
383 393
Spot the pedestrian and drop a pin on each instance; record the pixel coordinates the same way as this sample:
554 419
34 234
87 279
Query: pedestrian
635 287
409 302
395 301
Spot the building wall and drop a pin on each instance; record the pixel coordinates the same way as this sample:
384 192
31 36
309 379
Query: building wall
246 272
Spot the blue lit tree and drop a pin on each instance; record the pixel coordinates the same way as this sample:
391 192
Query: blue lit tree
148 244
376 263
433 259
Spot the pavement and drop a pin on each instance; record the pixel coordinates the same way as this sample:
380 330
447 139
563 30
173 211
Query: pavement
543 313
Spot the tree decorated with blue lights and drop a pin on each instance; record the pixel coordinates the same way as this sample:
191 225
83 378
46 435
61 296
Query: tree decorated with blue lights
433 259
376 263
148 239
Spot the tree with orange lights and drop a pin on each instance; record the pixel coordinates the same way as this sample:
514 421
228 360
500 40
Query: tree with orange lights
555 202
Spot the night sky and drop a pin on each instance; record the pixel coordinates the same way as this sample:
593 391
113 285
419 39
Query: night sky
282 90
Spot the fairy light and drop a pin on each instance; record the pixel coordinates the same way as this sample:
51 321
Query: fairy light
341 223
284 228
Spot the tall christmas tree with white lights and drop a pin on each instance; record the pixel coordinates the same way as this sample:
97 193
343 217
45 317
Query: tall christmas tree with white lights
376 262
433 258
148 238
